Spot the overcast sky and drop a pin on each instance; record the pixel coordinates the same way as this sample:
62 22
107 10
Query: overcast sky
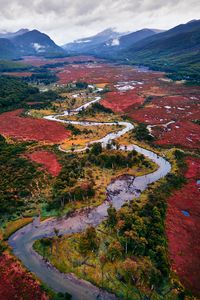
66 20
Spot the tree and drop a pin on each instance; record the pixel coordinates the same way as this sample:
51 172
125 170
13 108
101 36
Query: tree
81 85
120 226
112 217
103 261
56 231
89 241
129 267
109 146
131 241
142 273
61 296
2 247
96 148
114 251
142 133
45 243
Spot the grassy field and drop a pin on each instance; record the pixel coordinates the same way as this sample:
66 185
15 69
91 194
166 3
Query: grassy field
88 134
100 117
13 226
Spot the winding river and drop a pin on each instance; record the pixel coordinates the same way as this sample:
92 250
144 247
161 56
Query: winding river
118 192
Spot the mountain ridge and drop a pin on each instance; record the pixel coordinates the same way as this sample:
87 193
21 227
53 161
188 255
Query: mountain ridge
10 35
27 42
84 44
176 50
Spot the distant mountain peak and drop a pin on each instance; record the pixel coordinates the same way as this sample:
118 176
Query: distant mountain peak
108 35
107 31
10 35
36 31
192 21
22 31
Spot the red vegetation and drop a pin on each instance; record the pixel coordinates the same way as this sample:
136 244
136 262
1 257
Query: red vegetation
162 101
34 61
181 110
16 283
101 73
48 160
40 61
81 58
183 232
122 101
90 73
165 109
28 129
184 134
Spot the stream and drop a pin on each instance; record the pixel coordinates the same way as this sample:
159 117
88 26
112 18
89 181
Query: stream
118 192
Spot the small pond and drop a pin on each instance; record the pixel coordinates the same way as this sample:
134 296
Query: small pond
185 213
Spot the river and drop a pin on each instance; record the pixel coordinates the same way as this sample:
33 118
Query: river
119 192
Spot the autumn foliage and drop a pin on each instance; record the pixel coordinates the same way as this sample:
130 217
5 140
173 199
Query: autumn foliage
28 129
122 101
16 283
48 160
183 231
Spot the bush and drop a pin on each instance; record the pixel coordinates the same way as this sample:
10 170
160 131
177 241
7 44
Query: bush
142 134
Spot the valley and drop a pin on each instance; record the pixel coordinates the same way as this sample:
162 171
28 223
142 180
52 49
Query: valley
107 205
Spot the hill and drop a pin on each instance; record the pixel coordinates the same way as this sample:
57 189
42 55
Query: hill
112 47
86 45
134 37
176 50
34 42
25 42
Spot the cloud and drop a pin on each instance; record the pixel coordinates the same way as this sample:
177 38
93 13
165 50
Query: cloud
66 20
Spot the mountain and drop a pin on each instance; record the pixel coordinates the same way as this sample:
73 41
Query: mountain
34 42
86 45
172 40
128 40
25 42
108 42
10 35
125 41
177 49
7 49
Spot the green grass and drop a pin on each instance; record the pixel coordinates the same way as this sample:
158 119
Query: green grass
9 66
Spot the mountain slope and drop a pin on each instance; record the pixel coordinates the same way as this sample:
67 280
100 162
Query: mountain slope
171 39
25 42
34 42
10 35
7 49
177 49
126 41
87 44
108 43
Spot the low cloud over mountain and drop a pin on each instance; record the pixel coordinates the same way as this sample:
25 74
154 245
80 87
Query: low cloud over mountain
66 21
